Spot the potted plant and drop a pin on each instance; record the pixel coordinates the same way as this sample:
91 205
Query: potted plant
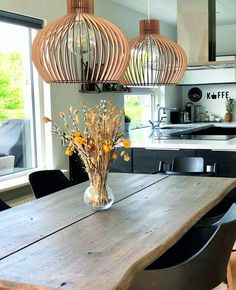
229 106
127 122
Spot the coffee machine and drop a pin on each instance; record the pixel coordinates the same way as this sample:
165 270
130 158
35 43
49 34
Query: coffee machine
189 107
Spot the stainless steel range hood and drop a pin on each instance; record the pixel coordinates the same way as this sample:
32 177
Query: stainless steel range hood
218 64
196 33
214 72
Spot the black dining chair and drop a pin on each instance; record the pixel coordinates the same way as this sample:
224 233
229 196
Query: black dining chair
3 205
45 182
187 165
197 262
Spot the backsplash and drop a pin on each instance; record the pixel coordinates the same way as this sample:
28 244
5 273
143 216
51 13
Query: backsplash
211 98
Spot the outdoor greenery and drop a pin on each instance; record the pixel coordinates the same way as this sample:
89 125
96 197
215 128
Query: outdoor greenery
11 86
133 109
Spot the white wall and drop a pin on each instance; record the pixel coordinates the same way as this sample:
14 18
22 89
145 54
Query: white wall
215 106
127 19
48 10
173 97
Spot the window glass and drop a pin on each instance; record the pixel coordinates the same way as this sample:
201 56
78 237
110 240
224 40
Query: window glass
138 107
17 136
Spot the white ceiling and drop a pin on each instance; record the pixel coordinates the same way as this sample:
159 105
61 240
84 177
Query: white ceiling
166 10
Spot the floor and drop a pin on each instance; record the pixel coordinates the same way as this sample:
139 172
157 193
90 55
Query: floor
232 266
223 286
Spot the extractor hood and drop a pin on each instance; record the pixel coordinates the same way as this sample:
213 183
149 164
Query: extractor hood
218 64
196 34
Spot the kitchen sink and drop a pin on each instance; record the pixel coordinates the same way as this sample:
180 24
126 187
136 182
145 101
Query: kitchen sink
213 131
193 133
176 127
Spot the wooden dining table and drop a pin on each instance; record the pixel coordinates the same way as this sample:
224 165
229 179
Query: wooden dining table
56 242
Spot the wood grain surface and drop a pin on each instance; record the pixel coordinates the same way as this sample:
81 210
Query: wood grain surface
105 250
28 223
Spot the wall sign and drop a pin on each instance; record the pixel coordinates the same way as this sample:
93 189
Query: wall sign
218 95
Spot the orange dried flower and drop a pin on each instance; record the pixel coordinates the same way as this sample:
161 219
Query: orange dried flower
97 142
46 119
126 157
62 115
126 143
107 148
79 139
68 151
114 156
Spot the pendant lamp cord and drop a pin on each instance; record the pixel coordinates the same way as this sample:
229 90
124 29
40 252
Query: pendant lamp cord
149 10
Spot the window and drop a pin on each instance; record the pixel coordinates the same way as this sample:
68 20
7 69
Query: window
18 150
139 107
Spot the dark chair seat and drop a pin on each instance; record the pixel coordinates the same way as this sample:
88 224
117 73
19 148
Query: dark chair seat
45 182
197 262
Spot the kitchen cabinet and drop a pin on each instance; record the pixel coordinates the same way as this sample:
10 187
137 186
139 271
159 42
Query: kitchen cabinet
225 161
147 160
78 173
120 165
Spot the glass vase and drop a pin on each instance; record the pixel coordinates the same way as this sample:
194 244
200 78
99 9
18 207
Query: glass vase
98 195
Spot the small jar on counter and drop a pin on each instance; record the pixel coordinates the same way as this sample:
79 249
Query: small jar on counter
211 117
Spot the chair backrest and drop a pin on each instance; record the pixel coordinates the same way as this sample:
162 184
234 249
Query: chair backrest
3 205
15 141
45 182
199 260
217 252
188 164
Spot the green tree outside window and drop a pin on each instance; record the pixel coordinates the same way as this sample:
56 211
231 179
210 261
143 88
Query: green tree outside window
11 86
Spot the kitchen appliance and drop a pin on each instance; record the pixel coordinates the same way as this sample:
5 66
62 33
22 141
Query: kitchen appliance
197 112
179 117
189 107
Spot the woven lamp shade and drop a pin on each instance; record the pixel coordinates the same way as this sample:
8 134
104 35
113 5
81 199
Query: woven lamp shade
80 48
155 60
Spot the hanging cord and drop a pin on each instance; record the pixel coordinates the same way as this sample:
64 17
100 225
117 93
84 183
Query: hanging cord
149 10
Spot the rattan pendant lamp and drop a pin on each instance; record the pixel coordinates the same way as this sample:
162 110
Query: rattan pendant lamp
155 60
80 48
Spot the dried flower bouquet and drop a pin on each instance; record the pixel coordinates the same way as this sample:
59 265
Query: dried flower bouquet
96 144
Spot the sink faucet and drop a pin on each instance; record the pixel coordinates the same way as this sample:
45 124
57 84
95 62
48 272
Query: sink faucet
164 109
156 124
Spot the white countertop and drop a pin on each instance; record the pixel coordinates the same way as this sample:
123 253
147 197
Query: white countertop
141 138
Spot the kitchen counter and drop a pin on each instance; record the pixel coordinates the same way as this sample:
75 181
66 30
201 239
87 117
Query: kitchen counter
145 138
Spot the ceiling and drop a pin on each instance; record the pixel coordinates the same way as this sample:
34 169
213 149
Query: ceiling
166 10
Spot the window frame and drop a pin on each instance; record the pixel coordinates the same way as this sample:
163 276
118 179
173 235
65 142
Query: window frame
153 92
36 88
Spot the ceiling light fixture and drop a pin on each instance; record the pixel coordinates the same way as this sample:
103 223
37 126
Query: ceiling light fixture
80 48
155 60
